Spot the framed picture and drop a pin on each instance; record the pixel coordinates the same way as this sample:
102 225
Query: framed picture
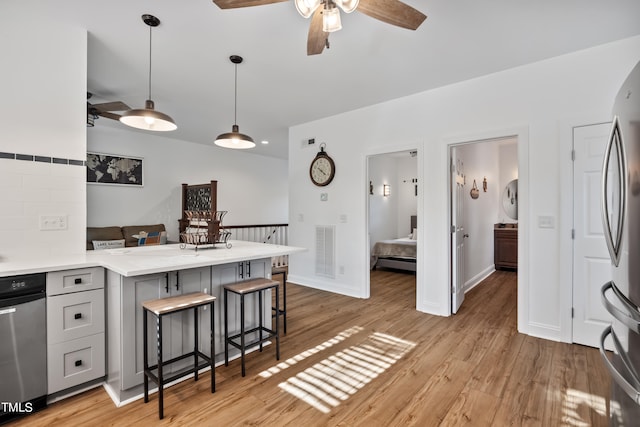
113 169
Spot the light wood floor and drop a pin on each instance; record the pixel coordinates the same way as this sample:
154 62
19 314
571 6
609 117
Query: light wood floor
392 366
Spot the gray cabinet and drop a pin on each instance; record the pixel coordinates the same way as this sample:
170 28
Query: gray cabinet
124 301
177 338
75 327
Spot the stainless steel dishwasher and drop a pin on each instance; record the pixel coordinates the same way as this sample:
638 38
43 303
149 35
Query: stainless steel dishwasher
23 348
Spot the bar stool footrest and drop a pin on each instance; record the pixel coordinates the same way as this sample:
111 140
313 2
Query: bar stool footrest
272 334
153 377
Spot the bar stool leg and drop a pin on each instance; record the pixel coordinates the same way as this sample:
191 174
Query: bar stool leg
260 318
242 332
284 300
226 330
277 328
145 355
160 377
195 342
213 353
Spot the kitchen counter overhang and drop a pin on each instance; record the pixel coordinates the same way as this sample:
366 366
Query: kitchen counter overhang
137 261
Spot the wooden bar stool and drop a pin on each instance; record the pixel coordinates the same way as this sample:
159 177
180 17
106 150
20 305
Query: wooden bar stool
160 308
282 270
241 289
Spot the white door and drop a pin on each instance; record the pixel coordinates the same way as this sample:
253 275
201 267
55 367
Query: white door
591 262
457 234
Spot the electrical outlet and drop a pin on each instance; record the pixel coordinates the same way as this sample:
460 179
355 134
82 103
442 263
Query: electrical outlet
324 197
53 222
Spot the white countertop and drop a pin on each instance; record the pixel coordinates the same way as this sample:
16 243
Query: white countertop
136 261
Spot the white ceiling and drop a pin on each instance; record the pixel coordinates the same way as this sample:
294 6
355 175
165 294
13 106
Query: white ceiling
280 86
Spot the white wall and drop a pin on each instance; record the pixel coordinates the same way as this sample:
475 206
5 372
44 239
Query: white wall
480 160
508 154
252 188
404 191
534 101
42 113
383 211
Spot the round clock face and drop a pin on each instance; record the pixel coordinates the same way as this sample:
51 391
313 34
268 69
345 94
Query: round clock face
322 170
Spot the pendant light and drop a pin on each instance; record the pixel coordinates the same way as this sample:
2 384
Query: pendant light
148 118
235 139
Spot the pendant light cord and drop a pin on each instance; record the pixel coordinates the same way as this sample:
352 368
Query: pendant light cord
235 101
150 28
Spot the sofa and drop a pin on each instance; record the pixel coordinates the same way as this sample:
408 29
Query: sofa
117 233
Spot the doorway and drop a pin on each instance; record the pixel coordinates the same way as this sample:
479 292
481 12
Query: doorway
483 197
392 209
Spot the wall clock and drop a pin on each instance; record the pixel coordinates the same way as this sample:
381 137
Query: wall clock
322 168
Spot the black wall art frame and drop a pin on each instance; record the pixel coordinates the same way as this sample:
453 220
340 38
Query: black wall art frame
113 169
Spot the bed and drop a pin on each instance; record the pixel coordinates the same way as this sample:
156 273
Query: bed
398 254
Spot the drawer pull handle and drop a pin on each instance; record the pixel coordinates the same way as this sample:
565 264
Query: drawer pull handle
77 316
78 363
77 280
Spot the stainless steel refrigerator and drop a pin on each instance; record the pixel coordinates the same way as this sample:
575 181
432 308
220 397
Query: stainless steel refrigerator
621 220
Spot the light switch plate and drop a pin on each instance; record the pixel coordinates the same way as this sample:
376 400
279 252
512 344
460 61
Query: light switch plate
53 222
324 197
545 221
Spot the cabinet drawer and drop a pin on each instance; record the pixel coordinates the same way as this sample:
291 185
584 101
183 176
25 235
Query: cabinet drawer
84 279
75 362
71 316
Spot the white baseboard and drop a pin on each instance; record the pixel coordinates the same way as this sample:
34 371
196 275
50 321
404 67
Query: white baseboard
473 282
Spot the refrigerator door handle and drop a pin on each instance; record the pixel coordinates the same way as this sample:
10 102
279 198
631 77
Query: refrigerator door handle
629 389
614 242
631 317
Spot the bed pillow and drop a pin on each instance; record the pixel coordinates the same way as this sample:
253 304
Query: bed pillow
414 234
107 244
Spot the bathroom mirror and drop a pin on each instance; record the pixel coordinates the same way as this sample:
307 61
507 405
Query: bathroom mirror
510 199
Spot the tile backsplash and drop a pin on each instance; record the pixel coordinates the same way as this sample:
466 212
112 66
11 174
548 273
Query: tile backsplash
34 186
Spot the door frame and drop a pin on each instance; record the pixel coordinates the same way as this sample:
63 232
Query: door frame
420 242
521 134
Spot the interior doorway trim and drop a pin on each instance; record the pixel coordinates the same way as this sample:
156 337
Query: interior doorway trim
521 133
420 241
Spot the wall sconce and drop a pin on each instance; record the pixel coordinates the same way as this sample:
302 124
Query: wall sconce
386 190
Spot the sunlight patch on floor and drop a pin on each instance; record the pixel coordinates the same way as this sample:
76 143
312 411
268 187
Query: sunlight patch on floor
573 400
310 352
334 379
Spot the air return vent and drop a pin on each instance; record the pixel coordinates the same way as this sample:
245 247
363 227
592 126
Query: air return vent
325 250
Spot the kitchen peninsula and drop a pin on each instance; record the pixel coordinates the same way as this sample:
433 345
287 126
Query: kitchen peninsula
136 274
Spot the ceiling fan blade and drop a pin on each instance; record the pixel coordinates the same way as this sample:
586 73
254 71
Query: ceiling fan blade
392 12
111 106
317 39
108 115
232 4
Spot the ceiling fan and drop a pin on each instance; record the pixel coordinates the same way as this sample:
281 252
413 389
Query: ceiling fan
105 109
325 16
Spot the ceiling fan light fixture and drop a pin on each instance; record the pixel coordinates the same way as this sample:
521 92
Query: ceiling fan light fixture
331 20
307 7
148 118
347 6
